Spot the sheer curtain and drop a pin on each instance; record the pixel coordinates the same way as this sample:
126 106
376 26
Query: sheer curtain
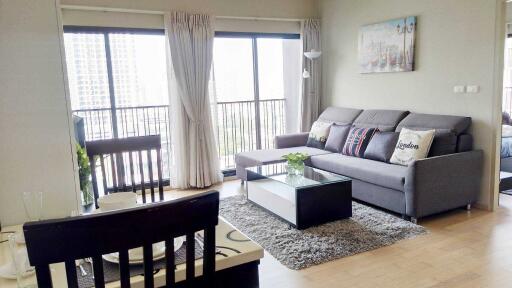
310 98
190 42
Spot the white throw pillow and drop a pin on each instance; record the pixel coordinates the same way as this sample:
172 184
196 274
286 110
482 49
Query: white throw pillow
318 134
411 146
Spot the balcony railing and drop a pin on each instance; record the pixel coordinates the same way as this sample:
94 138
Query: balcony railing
241 126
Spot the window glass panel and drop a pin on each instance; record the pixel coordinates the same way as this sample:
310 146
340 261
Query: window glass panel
233 68
87 70
139 69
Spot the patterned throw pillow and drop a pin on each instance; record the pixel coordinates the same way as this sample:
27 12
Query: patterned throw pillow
412 145
357 141
318 134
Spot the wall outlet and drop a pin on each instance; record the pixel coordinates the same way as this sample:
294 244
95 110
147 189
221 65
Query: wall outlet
459 89
473 89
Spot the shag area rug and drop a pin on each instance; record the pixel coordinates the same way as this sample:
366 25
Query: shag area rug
366 230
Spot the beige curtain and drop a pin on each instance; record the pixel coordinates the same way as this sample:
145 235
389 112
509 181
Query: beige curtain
311 87
195 161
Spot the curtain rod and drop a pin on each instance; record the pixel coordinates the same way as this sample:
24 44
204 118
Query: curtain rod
155 12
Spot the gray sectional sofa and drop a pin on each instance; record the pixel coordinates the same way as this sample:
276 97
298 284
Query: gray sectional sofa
449 178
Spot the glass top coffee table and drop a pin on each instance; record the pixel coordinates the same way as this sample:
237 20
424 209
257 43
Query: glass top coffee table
306 200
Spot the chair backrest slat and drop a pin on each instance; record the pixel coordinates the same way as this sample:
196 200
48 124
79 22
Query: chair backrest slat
148 265
150 170
124 268
99 276
71 274
132 173
116 150
191 255
209 255
43 275
103 172
115 184
169 263
142 181
159 167
72 238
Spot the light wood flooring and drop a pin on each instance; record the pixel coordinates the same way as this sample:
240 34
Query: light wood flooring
463 249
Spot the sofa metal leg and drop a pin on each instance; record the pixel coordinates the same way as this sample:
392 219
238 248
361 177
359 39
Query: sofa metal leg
468 206
414 220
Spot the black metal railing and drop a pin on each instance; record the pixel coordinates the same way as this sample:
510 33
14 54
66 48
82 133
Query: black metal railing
241 126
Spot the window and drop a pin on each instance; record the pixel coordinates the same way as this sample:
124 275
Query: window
257 83
118 82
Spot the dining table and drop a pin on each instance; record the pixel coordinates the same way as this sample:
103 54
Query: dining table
236 261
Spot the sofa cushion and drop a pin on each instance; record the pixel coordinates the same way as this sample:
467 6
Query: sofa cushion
357 141
441 123
318 134
337 137
340 115
443 144
385 120
381 146
464 143
412 145
375 172
258 157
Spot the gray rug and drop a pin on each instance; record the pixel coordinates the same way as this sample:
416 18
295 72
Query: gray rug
368 229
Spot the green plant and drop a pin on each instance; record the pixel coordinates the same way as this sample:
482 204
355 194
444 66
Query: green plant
296 158
84 173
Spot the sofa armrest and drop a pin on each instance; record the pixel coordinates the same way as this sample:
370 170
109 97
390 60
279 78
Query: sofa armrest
438 184
291 140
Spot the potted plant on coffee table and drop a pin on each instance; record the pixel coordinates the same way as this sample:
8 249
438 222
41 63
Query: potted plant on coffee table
295 163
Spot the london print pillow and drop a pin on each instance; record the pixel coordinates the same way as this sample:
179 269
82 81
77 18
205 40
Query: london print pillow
412 145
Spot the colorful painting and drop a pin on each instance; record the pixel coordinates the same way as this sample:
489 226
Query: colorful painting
387 46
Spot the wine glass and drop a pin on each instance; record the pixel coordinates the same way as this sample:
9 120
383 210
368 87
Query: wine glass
33 203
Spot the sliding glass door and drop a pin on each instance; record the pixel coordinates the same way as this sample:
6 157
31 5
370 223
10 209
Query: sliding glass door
256 84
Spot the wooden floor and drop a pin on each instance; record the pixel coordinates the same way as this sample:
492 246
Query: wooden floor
463 249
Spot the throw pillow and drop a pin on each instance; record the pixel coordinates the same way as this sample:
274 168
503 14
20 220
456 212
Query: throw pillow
412 145
444 143
381 146
337 136
357 141
318 134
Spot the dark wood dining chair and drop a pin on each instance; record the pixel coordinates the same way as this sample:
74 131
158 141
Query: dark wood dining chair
66 240
115 151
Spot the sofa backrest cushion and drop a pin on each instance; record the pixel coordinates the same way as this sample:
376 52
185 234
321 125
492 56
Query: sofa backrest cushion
385 120
465 143
337 137
381 146
443 144
340 115
441 123
357 141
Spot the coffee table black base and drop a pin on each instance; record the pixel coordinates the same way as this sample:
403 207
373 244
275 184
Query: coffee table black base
322 204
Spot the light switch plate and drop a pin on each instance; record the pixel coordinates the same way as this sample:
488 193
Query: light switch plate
473 89
459 89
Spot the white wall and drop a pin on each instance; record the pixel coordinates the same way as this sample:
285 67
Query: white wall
509 13
239 8
455 46
35 150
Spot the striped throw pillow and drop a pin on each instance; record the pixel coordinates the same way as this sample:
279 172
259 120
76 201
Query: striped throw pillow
357 141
